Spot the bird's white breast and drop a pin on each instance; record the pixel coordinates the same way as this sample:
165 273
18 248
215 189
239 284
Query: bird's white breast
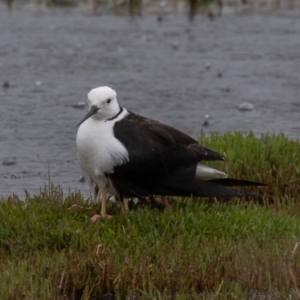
98 150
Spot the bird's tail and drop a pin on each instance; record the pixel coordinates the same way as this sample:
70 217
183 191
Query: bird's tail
236 182
208 188
218 188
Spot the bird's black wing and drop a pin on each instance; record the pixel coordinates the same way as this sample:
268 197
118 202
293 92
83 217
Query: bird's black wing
149 134
162 161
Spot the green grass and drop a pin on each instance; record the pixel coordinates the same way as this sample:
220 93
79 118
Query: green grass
203 249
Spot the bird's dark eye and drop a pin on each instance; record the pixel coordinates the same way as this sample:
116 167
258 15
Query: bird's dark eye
108 101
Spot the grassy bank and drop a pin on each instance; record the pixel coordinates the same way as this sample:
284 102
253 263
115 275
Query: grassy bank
203 249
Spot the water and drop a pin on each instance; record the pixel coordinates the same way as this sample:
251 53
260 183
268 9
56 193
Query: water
173 71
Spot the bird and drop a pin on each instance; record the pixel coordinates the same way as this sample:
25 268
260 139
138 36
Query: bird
127 155
206 121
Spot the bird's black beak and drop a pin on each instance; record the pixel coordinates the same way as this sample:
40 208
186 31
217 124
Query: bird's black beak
94 109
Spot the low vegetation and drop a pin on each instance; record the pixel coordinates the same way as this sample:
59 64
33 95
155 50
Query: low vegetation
202 249
211 8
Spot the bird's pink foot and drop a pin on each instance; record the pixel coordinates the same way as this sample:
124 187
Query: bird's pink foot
75 207
94 218
79 207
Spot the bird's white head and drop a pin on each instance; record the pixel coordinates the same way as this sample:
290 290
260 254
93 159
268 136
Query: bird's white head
103 104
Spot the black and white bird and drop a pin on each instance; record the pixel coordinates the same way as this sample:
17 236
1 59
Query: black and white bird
127 155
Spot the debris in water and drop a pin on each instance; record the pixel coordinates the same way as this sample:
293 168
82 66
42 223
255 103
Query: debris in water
146 38
175 45
9 162
207 66
80 104
225 88
81 179
245 106
159 18
211 15
6 84
38 83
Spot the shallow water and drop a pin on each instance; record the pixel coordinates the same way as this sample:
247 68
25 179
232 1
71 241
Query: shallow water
160 69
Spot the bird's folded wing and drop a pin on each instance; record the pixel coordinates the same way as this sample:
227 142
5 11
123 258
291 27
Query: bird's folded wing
143 135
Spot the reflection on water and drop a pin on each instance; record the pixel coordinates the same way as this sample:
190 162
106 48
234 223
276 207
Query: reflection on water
50 60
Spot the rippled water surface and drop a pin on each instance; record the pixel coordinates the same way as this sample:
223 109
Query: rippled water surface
173 71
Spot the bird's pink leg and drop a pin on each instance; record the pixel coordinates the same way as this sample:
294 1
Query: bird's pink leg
164 200
166 203
103 214
124 205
